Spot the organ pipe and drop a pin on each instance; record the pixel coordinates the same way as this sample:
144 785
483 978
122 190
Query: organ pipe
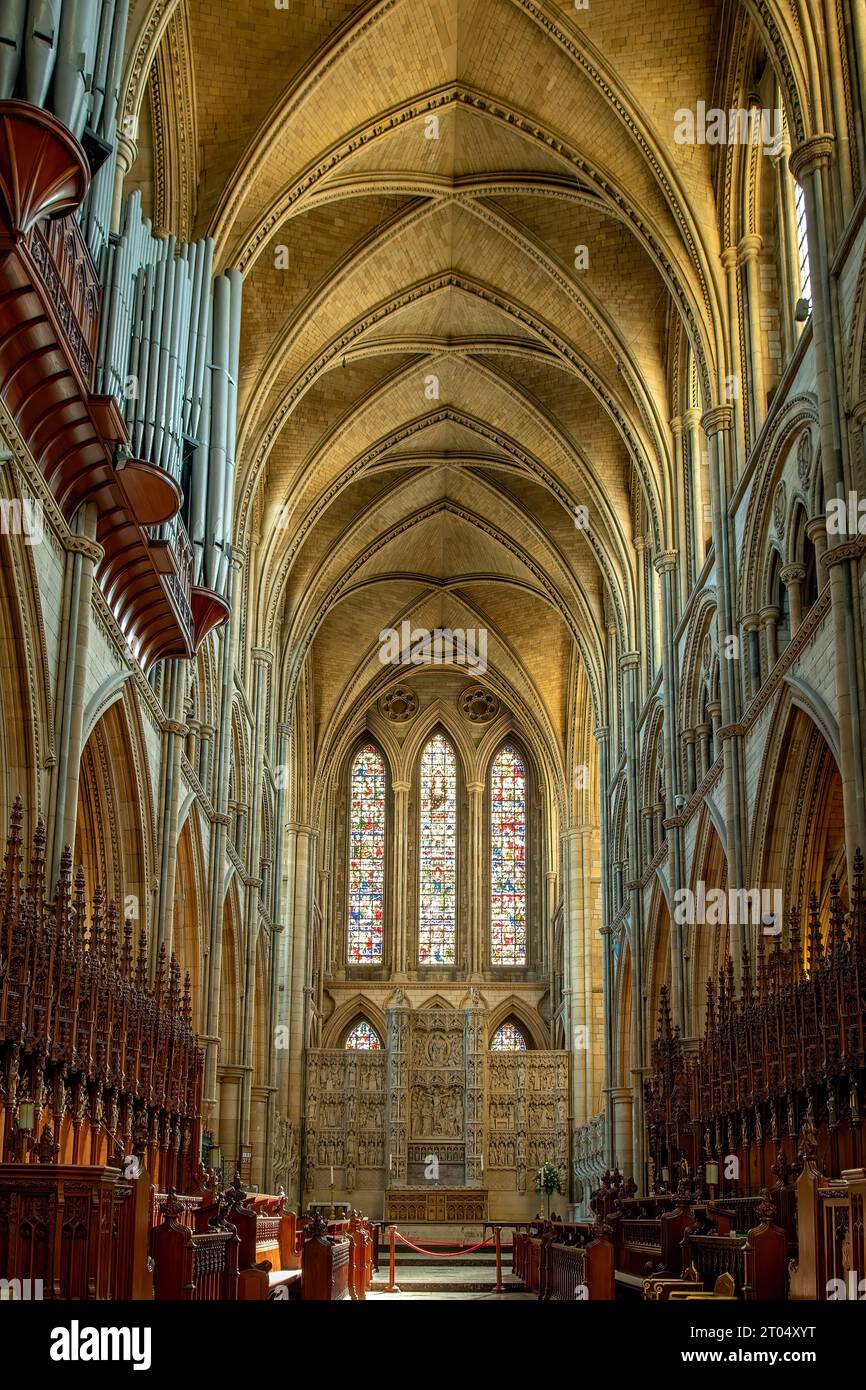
169 350
169 332
40 55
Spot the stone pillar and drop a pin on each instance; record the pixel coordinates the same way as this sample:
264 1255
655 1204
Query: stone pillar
602 737
629 664
689 739
579 875
83 555
666 565
789 251
714 710
283 1154
809 165
623 1133
751 628
718 424
475 854
731 261
749 250
769 622
816 530
217 857
173 738
299 919
792 577
683 579
400 868
702 736
262 661
692 422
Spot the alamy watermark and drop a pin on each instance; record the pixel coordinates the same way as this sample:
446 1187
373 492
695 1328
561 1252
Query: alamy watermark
19 518
739 126
440 646
717 907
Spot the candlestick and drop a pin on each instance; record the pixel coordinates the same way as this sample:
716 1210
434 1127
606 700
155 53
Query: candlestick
332 1175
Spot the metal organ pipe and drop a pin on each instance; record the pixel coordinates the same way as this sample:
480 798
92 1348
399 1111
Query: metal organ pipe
235 281
197 513
175 330
40 49
101 63
219 429
74 67
12 21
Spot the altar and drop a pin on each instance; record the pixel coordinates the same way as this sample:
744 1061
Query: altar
440 1206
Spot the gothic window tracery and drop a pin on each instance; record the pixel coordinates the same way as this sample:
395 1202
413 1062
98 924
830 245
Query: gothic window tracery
508 858
437 855
366 858
508 1038
363 1038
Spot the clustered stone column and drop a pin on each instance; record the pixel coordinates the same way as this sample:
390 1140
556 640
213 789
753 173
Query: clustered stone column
809 165
84 554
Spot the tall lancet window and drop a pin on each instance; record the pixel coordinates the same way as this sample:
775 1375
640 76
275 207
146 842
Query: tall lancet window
366 857
437 855
508 858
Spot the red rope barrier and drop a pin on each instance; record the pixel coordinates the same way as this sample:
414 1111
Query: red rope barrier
449 1255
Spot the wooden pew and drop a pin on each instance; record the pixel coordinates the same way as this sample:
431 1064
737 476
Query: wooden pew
325 1263
81 1230
831 1251
361 1263
757 1262
577 1263
648 1234
194 1266
269 1255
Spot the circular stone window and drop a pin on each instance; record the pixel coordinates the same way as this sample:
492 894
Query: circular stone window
399 704
479 705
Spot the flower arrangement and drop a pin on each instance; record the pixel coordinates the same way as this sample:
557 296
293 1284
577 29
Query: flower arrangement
548 1181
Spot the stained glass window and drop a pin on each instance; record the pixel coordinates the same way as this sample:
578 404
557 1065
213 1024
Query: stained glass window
508 858
437 855
366 857
364 1038
508 1038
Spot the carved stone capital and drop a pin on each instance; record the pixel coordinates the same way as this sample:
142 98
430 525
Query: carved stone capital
81 545
665 561
792 574
727 731
814 153
840 554
718 419
750 247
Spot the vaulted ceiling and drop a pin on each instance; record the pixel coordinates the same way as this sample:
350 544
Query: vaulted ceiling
430 386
